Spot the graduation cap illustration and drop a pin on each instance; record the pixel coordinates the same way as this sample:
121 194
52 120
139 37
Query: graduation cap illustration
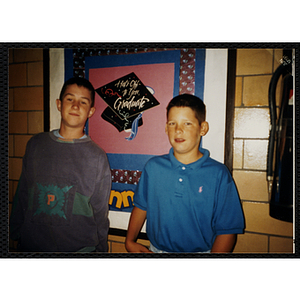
127 98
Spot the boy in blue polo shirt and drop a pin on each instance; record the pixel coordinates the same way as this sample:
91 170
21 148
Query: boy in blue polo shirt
190 201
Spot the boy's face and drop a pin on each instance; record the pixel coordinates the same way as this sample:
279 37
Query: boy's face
184 133
75 106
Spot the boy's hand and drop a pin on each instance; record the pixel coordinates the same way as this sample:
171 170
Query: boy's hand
136 248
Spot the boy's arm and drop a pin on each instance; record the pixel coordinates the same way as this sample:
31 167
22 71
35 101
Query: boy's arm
99 202
224 243
136 222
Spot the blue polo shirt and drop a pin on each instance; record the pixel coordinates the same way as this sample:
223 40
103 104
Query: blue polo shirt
188 205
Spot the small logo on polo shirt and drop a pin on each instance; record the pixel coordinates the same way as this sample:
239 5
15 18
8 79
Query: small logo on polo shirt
200 189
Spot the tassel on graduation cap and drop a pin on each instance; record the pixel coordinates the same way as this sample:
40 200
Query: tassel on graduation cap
134 128
127 99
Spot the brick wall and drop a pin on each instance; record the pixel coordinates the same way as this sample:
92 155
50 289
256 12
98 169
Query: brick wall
25 108
263 233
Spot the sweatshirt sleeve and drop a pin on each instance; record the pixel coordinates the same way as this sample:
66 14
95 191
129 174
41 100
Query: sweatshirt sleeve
19 205
99 202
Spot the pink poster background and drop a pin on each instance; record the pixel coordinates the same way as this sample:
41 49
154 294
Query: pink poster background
151 137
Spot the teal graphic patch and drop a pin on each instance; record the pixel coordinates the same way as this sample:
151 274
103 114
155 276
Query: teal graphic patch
51 200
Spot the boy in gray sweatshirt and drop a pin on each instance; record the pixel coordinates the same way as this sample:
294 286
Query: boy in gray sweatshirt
61 203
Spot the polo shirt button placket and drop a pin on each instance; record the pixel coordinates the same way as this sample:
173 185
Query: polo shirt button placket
179 187
182 168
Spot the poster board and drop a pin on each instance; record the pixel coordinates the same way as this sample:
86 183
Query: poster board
167 72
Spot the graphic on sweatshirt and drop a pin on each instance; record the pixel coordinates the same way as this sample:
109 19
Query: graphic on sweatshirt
51 200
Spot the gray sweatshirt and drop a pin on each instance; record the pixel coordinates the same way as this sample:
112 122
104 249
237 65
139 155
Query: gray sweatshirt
61 203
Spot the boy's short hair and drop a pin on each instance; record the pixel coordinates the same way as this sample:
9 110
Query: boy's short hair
188 100
80 82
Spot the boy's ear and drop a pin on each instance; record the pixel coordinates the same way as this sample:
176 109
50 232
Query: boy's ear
92 111
58 104
204 128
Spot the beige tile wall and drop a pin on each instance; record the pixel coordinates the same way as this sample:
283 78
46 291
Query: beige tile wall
263 234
